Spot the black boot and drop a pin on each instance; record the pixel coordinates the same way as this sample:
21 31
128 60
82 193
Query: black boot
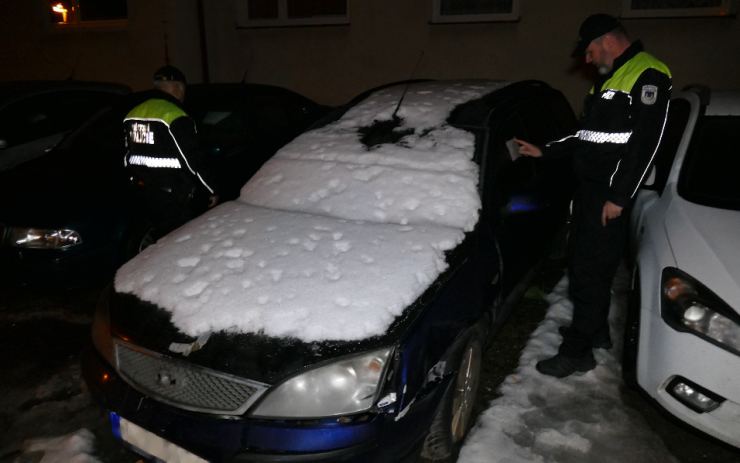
561 366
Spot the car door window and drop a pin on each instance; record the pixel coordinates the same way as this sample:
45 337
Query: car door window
47 114
709 174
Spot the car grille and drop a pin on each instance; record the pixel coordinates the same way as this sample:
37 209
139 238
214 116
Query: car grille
183 384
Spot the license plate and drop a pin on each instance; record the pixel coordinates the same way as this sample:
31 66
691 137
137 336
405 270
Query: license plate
150 444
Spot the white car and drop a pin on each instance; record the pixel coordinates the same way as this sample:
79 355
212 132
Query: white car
682 339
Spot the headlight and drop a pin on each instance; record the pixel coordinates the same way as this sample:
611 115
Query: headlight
347 386
689 306
101 336
41 238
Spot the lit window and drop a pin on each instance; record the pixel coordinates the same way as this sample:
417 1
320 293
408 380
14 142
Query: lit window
77 12
673 8
461 11
267 13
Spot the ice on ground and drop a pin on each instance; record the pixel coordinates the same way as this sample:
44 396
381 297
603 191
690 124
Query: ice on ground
578 419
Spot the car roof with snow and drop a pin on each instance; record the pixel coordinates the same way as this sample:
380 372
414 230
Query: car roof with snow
335 235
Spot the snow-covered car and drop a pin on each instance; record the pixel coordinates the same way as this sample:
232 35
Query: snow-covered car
682 339
337 310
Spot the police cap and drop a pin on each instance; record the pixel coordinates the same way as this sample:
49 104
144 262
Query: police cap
592 28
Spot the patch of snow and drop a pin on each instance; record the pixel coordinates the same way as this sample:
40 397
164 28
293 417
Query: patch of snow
351 283
578 419
76 447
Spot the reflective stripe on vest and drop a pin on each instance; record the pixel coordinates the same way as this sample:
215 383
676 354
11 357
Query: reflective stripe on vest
157 163
619 138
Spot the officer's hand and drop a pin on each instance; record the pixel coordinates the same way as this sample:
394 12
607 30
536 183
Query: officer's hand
609 212
212 201
528 149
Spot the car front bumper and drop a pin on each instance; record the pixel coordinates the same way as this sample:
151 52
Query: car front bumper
375 437
667 355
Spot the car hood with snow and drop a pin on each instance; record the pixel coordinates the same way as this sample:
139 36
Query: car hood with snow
334 237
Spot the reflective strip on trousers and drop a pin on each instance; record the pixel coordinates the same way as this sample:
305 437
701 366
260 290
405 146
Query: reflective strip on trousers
157 163
592 136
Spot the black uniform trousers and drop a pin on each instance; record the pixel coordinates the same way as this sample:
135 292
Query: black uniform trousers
594 255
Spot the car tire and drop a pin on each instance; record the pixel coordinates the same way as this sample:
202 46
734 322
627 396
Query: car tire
455 413
140 236
632 334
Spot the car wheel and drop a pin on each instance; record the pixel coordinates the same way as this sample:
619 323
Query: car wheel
631 334
141 236
455 414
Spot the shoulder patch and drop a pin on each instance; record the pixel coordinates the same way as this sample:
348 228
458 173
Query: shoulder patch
649 94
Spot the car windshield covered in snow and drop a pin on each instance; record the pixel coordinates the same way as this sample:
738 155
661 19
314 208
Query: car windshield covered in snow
710 173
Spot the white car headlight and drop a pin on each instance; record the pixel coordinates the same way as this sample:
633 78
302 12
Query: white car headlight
688 305
42 238
347 386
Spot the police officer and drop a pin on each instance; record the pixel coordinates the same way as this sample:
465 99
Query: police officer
163 161
620 130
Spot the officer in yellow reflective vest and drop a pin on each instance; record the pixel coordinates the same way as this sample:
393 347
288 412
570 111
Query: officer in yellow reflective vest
620 131
162 158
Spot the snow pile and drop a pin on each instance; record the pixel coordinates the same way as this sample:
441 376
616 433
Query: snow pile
576 419
76 447
332 238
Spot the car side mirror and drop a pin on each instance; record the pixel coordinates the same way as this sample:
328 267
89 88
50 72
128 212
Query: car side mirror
3 144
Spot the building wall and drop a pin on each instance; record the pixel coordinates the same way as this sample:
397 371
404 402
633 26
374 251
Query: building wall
34 49
384 42
386 38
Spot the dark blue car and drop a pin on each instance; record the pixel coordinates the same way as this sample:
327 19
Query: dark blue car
192 368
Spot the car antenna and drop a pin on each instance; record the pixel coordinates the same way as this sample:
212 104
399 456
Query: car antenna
408 82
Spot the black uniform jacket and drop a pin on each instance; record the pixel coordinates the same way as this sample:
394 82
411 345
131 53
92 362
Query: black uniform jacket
162 148
621 126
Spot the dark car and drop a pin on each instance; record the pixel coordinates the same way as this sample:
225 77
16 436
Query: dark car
65 218
337 310
36 115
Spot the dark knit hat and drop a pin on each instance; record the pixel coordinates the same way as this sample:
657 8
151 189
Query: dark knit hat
169 73
592 28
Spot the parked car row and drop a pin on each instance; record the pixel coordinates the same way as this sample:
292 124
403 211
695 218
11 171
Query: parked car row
64 215
338 308
682 340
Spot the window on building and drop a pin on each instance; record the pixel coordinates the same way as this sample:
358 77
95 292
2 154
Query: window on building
675 8
76 12
266 13
456 11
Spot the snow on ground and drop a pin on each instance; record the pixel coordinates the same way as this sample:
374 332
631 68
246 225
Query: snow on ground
581 418
332 238
72 448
